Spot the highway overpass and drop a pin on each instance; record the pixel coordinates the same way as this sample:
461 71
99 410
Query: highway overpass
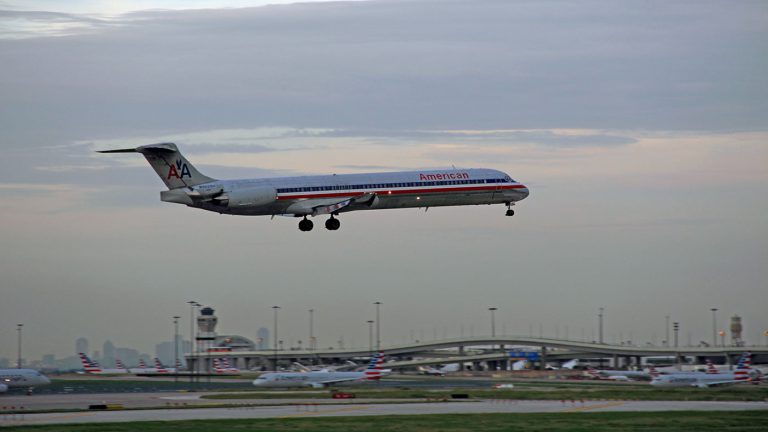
545 346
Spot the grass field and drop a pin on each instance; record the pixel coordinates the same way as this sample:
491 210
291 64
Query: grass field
654 421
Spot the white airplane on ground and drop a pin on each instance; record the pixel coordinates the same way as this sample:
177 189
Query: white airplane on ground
441 371
741 375
328 194
21 378
617 375
519 365
570 364
92 367
320 379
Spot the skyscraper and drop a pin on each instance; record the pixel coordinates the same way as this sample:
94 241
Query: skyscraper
262 341
81 345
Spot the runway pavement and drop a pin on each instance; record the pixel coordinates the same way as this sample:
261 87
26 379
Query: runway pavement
369 409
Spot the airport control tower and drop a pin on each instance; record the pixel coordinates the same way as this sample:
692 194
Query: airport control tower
206 329
736 330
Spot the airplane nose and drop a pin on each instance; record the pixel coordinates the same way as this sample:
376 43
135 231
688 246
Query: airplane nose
524 192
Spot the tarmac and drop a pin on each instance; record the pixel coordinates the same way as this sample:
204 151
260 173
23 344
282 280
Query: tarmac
313 408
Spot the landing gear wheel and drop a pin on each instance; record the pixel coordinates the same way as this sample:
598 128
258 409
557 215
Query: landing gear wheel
332 224
306 225
510 212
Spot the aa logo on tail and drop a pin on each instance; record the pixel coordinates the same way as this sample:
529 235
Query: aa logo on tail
179 170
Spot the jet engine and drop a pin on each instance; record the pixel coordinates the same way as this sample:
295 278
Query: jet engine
248 197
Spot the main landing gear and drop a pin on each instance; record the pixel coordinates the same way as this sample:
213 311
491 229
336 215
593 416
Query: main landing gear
306 224
332 224
510 212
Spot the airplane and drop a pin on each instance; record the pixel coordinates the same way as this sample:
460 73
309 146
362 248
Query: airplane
328 194
608 375
21 378
519 365
570 364
742 374
92 367
427 370
320 379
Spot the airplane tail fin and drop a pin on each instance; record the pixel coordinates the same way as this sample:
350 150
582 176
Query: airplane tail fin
711 369
88 364
374 370
159 366
172 167
142 365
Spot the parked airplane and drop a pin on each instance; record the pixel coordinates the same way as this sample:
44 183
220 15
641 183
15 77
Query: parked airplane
441 371
742 374
570 364
21 378
320 379
328 194
616 375
92 367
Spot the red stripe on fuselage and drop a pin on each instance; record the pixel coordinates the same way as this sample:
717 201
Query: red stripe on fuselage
351 194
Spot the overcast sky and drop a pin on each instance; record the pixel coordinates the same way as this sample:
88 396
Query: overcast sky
640 127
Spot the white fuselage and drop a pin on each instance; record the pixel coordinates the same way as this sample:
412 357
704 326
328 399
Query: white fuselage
700 379
307 379
407 189
22 378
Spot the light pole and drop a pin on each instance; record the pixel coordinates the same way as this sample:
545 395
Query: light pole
311 330
600 324
18 361
378 326
192 345
722 337
274 343
370 336
493 320
714 327
676 327
666 341
176 346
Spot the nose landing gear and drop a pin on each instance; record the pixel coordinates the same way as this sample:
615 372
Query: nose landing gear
510 212
332 224
306 224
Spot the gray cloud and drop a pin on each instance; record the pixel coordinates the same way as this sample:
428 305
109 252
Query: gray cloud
394 65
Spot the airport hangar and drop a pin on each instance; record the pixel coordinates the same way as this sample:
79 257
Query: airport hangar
483 352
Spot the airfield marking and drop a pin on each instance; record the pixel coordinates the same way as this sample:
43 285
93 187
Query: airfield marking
592 407
46 419
330 411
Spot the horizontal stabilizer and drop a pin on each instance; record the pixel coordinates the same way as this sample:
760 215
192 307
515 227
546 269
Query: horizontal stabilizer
151 148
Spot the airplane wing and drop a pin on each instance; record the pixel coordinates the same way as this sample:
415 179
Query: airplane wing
724 382
339 380
321 206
